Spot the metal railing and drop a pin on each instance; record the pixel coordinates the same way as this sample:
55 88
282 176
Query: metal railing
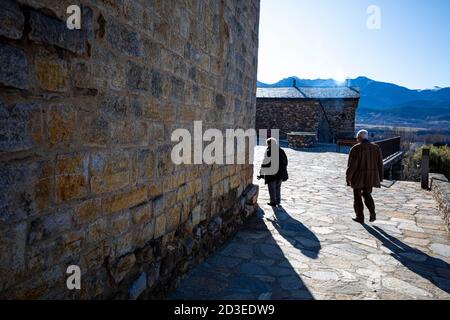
389 146
392 156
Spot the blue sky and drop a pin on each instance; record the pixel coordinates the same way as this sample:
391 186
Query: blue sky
330 39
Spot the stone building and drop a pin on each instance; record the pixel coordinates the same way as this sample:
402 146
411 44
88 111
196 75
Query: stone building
86 117
327 112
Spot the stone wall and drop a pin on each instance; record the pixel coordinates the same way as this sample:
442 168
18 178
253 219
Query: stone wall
440 186
86 118
341 115
298 140
306 115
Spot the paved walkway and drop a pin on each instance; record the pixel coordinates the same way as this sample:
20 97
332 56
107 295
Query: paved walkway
311 249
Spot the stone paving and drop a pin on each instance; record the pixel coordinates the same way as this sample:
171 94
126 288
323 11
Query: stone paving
311 249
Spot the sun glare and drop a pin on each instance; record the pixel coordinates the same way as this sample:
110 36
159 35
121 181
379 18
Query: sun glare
340 77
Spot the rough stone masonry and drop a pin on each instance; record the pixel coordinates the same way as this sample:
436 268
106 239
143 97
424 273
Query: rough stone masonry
85 123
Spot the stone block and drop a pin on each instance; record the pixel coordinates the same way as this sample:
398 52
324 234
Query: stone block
160 226
23 189
20 127
158 205
301 139
12 253
95 130
170 199
15 71
115 106
145 165
124 200
220 102
142 214
71 176
108 183
138 286
72 163
81 74
153 274
61 125
122 267
95 257
138 77
44 228
72 243
173 218
51 75
159 112
109 171
144 233
97 231
156 88
123 39
249 209
194 218
119 224
214 225
145 254
50 31
176 89
251 194
11 20
105 163
188 245
124 244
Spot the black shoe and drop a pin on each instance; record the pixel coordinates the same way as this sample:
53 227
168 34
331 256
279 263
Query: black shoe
272 204
372 218
361 221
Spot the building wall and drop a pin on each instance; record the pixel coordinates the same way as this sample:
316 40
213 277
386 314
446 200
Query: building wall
341 115
86 119
288 115
306 115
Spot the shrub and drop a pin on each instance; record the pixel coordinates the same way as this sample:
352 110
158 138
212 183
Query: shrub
439 162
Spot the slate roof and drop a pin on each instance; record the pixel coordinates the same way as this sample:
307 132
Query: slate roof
280 92
308 93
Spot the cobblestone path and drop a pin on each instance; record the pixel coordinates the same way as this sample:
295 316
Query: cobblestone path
311 249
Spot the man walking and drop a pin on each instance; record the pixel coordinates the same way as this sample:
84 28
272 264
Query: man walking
364 171
274 176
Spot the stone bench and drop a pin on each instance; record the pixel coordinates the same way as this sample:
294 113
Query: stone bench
298 140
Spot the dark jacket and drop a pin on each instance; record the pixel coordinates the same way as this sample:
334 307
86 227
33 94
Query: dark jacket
281 173
365 166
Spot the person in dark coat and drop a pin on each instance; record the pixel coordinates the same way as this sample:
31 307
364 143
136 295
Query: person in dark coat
273 177
364 172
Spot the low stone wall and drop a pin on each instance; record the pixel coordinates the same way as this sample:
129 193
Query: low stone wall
440 186
301 139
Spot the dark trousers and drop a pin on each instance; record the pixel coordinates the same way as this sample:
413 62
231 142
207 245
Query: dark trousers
275 191
359 194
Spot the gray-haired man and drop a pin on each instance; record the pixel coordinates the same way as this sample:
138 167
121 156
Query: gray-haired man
364 171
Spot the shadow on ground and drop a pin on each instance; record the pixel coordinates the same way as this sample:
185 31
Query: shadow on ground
412 258
252 265
298 235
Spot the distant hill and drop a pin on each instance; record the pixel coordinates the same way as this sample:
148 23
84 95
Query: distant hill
389 104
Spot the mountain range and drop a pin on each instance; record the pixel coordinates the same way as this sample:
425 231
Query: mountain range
384 103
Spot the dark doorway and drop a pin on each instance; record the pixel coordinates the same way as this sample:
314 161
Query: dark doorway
324 132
